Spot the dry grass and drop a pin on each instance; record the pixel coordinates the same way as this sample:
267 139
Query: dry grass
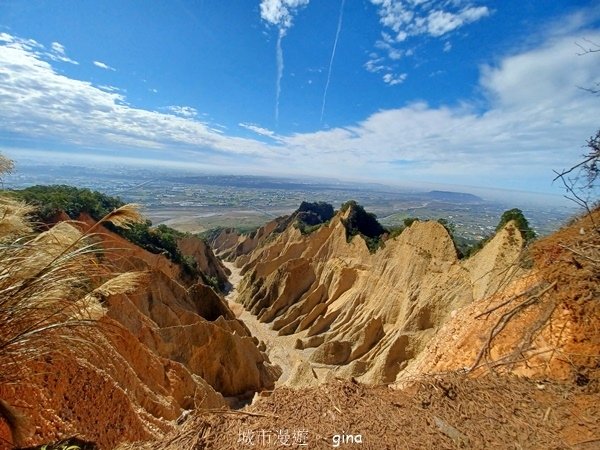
13 218
6 166
52 286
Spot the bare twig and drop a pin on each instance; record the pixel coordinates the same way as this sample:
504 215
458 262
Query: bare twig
578 253
239 413
510 300
504 320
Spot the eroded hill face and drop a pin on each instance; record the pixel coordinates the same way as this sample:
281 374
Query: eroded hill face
404 314
171 345
368 315
543 324
410 308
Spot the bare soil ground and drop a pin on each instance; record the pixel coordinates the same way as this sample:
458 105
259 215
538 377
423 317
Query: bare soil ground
444 412
280 349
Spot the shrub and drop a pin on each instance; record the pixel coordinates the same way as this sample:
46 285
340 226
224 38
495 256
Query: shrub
522 223
409 221
396 231
360 222
51 200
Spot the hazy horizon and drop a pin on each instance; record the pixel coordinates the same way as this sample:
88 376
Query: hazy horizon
70 173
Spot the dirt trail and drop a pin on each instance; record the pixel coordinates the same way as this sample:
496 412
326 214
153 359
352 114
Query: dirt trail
280 349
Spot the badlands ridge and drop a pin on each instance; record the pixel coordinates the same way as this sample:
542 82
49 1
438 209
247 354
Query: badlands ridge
315 302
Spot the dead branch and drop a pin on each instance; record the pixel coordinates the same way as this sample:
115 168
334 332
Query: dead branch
511 299
504 320
239 413
578 253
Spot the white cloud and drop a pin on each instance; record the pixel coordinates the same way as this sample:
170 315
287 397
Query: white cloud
41 104
58 54
536 119
376 65
392 80
110 88
258 130
280 12
447 46
183 111
104 66
435 18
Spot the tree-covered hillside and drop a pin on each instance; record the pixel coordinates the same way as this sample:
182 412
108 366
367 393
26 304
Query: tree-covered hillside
51 200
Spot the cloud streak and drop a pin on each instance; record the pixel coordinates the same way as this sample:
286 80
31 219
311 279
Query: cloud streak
335 42
258 130
280 13
280 66
102 65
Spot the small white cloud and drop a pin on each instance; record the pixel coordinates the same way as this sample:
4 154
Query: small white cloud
280 12
437 73
109 88
258 130
104 66
416 17
392 80
447 46
58 54
58 48
395 54
392 52
376 65
183 111
442 22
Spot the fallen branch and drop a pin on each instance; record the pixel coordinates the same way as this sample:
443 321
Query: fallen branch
503 321
511 299
240 413
583 255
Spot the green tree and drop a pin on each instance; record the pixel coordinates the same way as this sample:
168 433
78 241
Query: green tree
516 215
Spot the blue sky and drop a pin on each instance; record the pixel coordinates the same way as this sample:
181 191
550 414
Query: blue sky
480 93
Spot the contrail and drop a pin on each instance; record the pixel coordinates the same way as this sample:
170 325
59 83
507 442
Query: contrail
279 73
335 42
280 13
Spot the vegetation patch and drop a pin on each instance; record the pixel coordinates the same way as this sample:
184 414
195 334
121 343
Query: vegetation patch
310 216
51 200
522 223
514 214
360 222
